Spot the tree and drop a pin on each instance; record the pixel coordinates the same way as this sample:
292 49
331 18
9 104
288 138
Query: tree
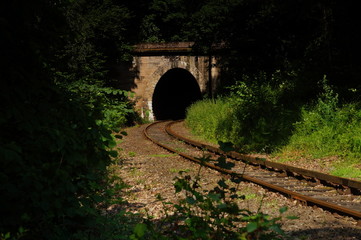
53 152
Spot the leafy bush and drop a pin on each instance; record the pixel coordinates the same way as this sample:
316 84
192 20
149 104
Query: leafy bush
53 154
82 65
112 107
257 116
328 129
54 144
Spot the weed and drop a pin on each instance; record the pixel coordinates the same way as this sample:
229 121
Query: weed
141 181
135 172
180 149
132 154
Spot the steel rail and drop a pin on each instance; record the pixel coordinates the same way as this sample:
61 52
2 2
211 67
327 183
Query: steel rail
344 182
294 195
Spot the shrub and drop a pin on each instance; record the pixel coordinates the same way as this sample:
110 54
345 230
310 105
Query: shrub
53 158
112 107
257 116
328 128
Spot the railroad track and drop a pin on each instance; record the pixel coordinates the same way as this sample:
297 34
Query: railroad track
339 195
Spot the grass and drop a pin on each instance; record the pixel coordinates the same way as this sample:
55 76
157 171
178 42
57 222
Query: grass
204 116
132 154
349 171
135 172
253 118
180 149
249 194
326 129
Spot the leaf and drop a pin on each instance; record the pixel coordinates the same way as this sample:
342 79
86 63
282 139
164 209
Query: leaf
292 217
251 227
214 196
140 229
191 200
283 209
111 143
178 186
222 206
113 153
276 228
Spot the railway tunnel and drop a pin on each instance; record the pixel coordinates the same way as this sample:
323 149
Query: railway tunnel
175 91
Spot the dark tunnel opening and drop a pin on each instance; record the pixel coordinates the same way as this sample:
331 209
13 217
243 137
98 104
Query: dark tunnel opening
175 91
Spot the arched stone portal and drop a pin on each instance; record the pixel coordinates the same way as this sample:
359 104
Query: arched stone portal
149 73
175 91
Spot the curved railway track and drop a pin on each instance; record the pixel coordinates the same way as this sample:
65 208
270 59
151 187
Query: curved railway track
335 194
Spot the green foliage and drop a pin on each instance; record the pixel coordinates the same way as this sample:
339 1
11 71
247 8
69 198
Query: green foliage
168 20
203 117
53 151
257 116
261 117
55 141
98 42
329 129
48 171
210 214
111 106
99 33
18 235
310 37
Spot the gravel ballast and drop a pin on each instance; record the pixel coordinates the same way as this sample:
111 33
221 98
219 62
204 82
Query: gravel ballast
150 171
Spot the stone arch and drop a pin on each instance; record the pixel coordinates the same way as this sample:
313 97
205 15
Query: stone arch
165 67
176 90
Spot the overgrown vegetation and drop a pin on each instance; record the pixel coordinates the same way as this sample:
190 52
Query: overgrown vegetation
255 116
97 41
326 129
55 141
257 119
59 101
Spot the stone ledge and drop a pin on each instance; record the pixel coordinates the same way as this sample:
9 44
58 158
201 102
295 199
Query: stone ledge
172 47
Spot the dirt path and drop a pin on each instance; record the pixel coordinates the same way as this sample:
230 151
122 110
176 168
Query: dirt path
150 171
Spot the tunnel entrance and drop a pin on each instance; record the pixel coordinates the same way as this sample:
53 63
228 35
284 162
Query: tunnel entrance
175 91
